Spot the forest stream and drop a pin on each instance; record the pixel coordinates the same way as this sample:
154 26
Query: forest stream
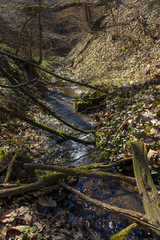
94 223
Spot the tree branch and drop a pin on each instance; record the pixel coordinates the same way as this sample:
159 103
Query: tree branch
19 85
42 126
31 186
45 70
135 216
81 172
43 106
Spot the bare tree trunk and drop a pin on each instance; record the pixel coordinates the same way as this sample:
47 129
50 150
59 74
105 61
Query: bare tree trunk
40 32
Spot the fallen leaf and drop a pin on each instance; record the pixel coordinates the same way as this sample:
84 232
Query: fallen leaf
154 131
152 154
8 216
46 201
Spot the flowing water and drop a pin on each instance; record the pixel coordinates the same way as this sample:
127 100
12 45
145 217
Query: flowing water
94 223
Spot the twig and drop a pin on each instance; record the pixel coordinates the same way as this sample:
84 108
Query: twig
19 85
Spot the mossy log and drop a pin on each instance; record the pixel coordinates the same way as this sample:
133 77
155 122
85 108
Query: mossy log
81 106
31 186
92 102
146 187
81 172
42 126
122 235
16 166
43 106
106 166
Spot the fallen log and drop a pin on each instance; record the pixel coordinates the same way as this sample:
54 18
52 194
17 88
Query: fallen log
146 187
106 166
135 216
42 126
81 172
42 105
122 235
31 186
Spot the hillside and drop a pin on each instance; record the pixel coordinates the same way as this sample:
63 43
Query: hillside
125 49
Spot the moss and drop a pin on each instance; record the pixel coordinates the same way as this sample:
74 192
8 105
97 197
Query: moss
82 106
4 46
2 153
92 102
124 233
102 157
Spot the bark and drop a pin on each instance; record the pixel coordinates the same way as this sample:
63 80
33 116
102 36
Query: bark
31 186
122 235
146 187
18 85
40 31
81 173
135 216
42 126
106 166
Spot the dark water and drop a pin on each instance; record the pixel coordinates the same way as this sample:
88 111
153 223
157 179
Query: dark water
94 223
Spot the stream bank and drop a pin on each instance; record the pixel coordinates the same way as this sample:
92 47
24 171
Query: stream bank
61 98
94 223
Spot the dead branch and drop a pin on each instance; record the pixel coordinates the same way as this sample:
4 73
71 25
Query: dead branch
45 70
135 216
42 126
19 85
31 186
43 106
81 172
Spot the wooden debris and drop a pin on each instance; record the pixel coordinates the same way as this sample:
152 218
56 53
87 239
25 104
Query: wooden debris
146 187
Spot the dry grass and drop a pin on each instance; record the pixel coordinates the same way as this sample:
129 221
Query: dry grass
127 51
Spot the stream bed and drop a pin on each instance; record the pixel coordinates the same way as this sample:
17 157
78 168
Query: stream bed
94 223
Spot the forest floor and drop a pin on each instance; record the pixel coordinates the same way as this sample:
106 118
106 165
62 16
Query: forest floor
125 62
